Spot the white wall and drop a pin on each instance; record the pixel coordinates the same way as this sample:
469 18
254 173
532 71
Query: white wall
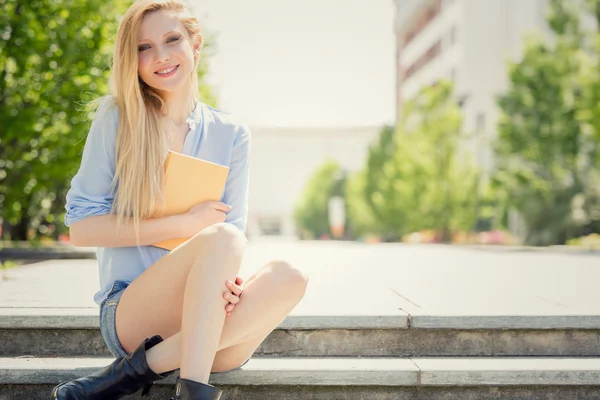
283 159
494 33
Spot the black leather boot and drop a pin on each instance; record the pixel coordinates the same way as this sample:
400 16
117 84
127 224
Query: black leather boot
186 389
124 376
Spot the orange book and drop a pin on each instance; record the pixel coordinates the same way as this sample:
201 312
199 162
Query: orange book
189 181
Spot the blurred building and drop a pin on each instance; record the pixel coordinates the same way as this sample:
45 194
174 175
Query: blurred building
470 43
283 160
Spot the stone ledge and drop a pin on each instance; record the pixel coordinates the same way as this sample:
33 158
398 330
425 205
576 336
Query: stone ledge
258 371
314 392
505 321
87 318
48 253
345 371
498 371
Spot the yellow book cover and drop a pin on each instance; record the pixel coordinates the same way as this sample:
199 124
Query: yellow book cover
189 181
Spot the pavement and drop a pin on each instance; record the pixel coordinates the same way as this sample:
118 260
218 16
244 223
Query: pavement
428 285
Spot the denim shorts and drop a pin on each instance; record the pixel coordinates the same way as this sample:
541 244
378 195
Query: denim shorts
108 328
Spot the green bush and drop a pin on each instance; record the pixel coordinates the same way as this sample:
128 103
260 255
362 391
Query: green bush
361 220
414 178
311 211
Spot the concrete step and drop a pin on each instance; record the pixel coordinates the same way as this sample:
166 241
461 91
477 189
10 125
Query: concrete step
75 332
346 378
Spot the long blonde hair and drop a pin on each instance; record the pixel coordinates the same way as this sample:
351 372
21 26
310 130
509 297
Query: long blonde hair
140 143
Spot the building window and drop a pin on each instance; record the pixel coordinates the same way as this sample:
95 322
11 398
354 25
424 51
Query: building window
422 20
425 58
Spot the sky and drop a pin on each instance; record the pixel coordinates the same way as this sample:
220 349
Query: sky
309 63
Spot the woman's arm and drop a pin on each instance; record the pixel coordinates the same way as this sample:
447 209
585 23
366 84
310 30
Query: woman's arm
101 231
237 185
90 197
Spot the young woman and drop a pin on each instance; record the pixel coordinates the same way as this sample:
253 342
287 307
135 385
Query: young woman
186 296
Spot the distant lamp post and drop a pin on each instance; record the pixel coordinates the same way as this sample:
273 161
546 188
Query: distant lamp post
337 216
337 206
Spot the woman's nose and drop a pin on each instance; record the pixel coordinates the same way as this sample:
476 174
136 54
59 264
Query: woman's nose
162 55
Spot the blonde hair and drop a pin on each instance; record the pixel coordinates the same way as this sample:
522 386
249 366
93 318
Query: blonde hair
140 143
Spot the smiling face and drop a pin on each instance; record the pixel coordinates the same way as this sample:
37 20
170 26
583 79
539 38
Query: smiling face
164 46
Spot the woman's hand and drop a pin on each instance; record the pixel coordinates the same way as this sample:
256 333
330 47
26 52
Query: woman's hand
235 289
201 216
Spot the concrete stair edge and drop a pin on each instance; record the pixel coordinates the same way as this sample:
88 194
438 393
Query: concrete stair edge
87 318
344 371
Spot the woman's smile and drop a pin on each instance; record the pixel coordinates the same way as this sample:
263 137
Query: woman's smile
166 72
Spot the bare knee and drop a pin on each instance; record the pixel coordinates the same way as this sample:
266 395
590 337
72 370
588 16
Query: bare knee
223 237
224 232
290 279
222 243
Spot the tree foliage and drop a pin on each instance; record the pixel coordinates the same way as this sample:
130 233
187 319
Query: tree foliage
415 177
311 212
547 149
54 58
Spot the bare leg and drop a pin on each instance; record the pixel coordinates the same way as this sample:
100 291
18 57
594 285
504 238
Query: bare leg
153 304
267 300
203 304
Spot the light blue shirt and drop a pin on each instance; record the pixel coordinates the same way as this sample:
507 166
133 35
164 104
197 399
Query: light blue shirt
214 136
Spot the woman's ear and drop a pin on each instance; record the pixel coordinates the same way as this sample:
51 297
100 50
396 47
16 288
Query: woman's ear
198 45
196 52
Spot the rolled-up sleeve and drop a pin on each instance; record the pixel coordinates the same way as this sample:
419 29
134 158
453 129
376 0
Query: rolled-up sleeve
90 192
236 187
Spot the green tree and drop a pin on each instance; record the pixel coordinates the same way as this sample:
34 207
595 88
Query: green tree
373 177
588 215
433 183
311 211
546 150
54 57
361 220
415 178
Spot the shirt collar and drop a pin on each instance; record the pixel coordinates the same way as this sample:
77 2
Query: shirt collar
195 116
